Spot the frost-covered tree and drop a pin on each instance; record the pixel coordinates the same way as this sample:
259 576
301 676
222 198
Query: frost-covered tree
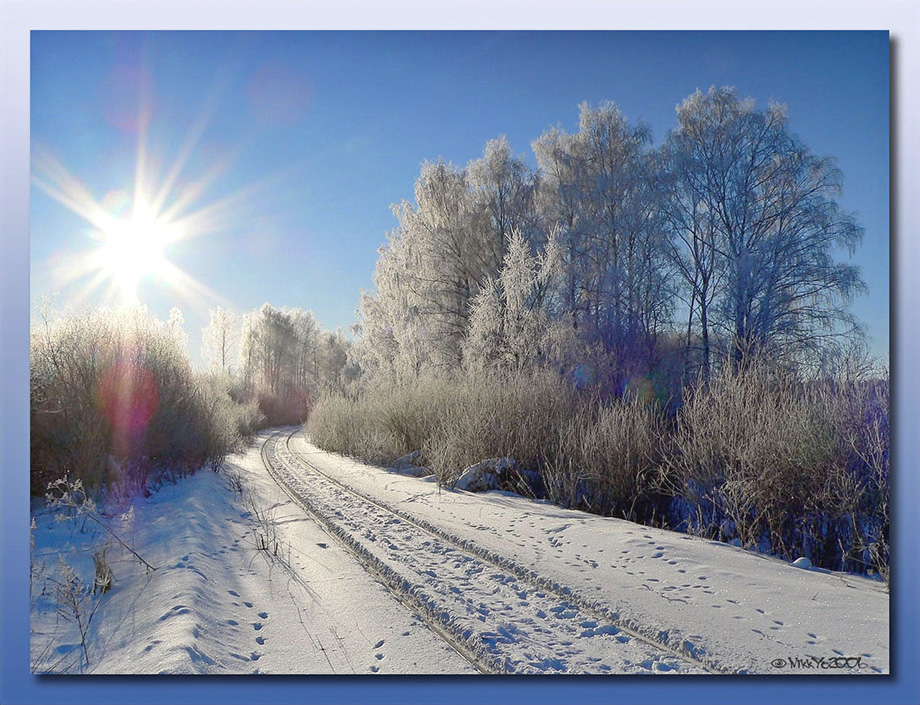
306 339
446 247
503 189
597 191
219 339
393 342
287 354
692 248
514 323
442 263
270 350
760 210
332 371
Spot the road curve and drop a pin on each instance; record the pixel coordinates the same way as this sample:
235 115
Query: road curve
501 617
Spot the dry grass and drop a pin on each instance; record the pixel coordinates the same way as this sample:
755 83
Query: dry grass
798 468
785 465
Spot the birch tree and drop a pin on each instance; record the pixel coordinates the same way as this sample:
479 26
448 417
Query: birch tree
769 224
597 191
219 339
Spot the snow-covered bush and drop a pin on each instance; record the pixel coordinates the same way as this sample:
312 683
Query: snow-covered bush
857 493
791 466
382 424
607 458
114 402
232 422
512 415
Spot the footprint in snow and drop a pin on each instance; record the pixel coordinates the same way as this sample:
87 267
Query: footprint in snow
383 641
263 615
257 625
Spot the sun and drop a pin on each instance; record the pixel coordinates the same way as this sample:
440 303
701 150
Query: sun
135 248
134 226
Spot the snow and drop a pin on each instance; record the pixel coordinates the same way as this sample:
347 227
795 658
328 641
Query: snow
216 604
486 475
511 584
738 610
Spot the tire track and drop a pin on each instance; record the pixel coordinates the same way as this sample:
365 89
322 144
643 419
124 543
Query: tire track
380 571
500 616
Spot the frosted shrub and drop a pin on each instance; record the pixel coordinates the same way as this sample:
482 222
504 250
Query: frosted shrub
343 425
485 416
75 602
455 422
793 467
105 577
750 450
789 466
614 448
381 424
857 492
114 399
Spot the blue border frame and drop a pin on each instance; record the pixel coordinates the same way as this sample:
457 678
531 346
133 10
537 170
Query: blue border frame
18 17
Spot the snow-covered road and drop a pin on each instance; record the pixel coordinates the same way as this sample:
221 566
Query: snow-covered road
381 572
523 586
503 619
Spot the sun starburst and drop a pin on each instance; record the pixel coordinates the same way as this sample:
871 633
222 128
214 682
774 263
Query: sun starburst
135 233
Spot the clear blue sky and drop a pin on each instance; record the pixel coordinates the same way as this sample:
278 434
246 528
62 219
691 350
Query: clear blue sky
315 134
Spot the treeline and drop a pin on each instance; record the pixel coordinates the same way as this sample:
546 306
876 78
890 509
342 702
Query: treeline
717 246
662 333
280 358
116 403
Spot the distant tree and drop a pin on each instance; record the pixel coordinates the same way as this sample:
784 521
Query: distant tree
270 350
332 360
288 359
219 339
306 338
755 214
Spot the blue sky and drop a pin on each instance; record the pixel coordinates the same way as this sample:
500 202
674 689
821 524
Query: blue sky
312 135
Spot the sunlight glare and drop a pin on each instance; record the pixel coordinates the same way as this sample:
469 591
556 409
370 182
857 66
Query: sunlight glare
135 249
133 232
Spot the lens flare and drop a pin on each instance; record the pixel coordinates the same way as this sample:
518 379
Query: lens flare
128 396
